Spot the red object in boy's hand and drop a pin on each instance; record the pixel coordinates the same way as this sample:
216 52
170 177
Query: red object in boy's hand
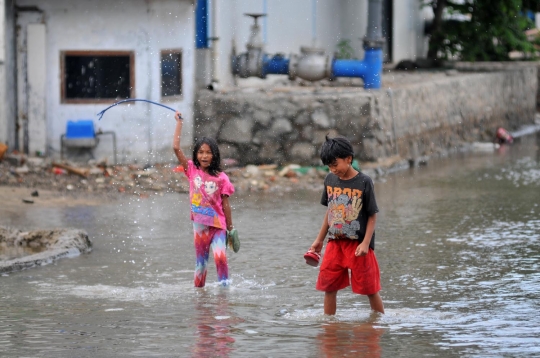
312 258
178 169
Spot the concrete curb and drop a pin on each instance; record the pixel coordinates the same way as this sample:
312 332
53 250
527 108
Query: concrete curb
56 244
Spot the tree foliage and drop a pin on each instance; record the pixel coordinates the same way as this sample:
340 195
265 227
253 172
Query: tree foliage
480 30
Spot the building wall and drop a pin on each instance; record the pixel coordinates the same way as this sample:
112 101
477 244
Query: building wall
144 131
409 41
353 23
290 25
3 119
7 74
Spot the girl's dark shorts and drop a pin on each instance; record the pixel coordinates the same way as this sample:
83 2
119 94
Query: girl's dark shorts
338 259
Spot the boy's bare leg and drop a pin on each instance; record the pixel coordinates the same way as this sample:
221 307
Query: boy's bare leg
330 302
375 301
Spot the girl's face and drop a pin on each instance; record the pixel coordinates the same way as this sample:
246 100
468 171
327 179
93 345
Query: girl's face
204 156
340 167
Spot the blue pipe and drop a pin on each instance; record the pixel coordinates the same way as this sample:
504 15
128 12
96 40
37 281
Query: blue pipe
201 24
276 65
369 69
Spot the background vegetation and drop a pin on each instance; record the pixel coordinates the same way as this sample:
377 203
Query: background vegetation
480 30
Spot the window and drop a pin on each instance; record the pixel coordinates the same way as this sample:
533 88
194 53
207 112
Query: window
97 76
171 73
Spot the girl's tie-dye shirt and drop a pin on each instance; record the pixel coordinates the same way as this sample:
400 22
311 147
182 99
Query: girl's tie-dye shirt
205 193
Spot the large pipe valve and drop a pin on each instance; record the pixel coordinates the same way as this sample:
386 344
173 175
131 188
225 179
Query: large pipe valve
312 65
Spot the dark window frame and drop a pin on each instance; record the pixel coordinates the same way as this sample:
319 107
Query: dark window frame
64 54
173 97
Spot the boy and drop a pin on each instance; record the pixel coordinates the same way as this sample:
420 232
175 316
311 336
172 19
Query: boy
350 222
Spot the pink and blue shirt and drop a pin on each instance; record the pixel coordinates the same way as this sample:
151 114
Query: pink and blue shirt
205 196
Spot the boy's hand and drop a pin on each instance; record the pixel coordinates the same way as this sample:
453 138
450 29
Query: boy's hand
178 116
362 249
317 246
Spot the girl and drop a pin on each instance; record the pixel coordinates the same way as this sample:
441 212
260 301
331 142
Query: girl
209 191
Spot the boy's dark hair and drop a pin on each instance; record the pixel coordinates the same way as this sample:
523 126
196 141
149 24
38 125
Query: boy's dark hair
215 164
333 148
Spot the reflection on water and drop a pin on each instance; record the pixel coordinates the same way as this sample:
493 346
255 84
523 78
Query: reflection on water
213 323
338 339
458 247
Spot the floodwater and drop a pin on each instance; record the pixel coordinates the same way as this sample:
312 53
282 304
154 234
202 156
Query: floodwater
458 246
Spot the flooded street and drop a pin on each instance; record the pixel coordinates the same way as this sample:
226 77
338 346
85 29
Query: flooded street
458 244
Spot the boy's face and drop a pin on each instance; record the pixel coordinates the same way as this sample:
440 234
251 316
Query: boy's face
340 167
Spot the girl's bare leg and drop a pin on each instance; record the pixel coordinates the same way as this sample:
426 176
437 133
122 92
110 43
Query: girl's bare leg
375 301
330 302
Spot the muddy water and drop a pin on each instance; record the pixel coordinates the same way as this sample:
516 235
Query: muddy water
458 245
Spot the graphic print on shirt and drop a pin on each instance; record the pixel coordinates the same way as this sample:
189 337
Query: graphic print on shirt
344 205
201 202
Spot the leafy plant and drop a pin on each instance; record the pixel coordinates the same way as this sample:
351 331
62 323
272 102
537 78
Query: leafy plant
480 30
344 50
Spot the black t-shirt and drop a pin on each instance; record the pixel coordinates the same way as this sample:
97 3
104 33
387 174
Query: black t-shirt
350 203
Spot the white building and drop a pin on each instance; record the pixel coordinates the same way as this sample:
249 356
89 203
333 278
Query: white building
289 25
64 60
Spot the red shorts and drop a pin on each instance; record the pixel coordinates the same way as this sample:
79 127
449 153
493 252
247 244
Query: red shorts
338 259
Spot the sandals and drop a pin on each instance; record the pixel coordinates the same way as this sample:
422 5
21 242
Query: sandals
312 258
232 240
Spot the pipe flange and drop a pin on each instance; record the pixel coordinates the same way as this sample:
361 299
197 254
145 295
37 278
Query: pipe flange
293 66
328 67
374 43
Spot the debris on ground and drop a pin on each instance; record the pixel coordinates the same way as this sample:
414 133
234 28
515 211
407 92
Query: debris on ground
3 150
99 177
503 136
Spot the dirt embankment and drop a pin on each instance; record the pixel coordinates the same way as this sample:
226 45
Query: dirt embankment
31 180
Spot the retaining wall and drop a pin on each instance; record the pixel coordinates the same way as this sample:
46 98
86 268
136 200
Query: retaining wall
441 112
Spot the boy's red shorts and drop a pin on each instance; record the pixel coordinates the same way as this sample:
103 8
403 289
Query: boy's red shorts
338 259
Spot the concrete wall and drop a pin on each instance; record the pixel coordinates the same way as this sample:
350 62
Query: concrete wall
144 131
3 119
279 126
440 113
7 74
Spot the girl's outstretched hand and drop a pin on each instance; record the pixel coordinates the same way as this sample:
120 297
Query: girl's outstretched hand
178 116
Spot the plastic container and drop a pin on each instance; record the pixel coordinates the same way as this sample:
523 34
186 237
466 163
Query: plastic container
80 129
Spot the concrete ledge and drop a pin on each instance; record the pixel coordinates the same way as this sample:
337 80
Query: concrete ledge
415 115
41 246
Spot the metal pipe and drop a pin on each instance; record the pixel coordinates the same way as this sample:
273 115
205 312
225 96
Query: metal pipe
392 109
369 69
215 42
314 23
374 38
313 64
201 24
276 65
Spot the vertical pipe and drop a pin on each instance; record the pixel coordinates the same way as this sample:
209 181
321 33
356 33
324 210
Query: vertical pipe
374 29
265 20
201 24
314 22
215 42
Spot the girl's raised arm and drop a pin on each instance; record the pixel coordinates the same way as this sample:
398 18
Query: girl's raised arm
176 141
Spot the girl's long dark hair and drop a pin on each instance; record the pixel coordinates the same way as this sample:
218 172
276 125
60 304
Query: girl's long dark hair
215 164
